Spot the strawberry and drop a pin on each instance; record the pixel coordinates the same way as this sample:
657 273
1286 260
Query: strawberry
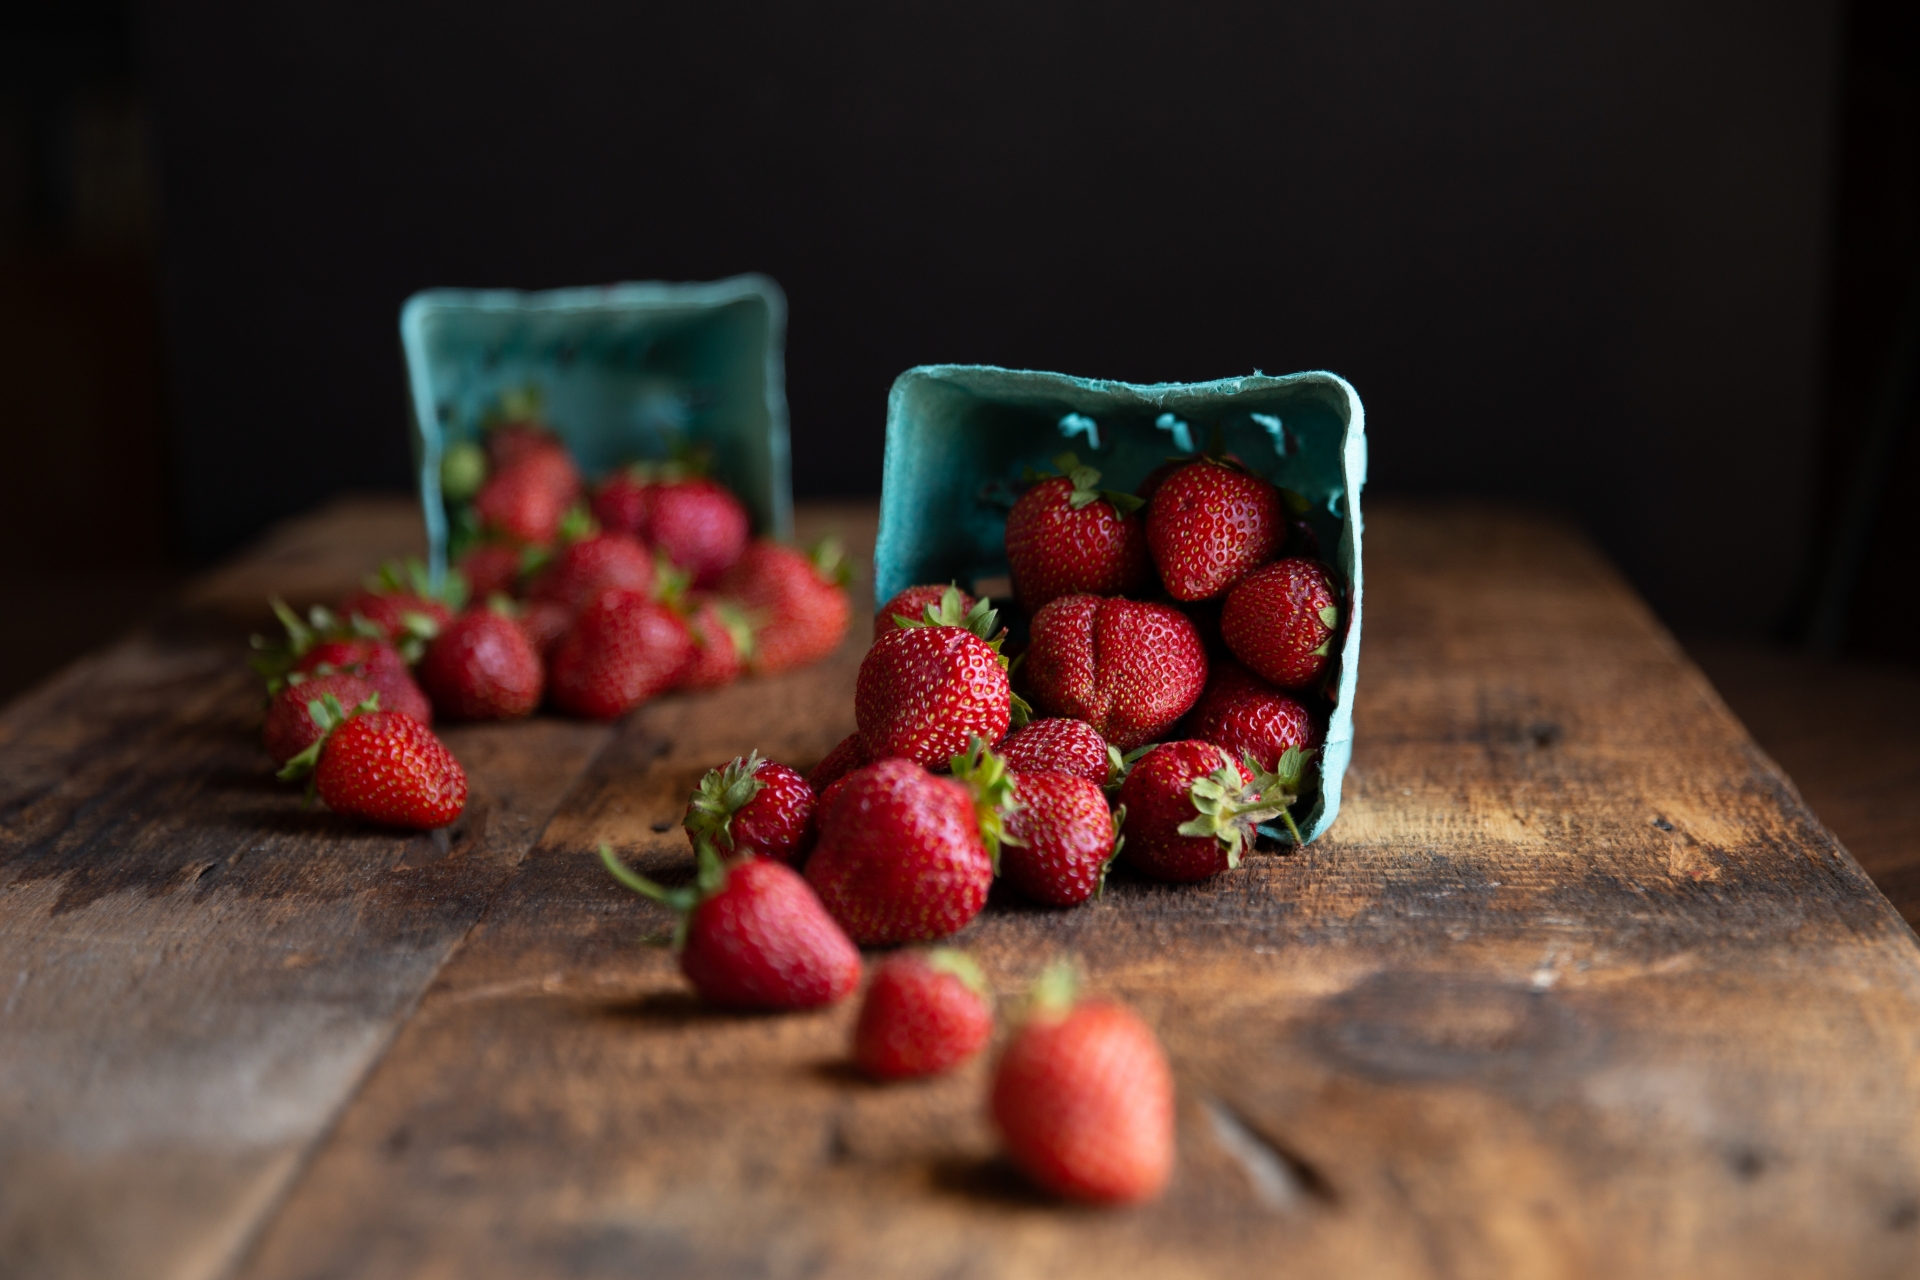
753 806
622 650
925 691
1066 536
545 623
904 855
698 525
620 503
290 727
1192 808
1061 838
482 666
1083 1098
800 599
525 499
376 662
1249 718
587 566
849 754
1127 668
752 935
509 443
1280 620
723 641
923 604
492 569
925 1012
1058 745
1209 525
381 766
401 600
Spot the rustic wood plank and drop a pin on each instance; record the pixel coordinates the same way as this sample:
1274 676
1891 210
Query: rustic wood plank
196 971
1576 987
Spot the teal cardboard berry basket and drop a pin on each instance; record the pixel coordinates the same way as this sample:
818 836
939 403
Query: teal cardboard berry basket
623 373
960 436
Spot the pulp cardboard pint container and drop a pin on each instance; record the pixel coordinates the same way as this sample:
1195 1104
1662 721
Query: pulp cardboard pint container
623 373
959 437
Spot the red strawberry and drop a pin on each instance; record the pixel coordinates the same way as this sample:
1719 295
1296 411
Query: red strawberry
290 728
1060 838
1209 525
491 569
799 598
400 601
752 935
1280 621
511 442
1058 745
620 503
482 666
753 806
1192 808
376 662
723 639
1128 668
622 650
1249 718
915 602
1066 536
1083 1099
545 623
382 766
1158 476
848 755
698 525
904 855
526 499
584 568
925 692
925 1013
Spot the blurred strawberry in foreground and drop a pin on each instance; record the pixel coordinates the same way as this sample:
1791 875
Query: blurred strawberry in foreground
1058 745
1250 718
1060 838
1083 1098
925 1012
1280 621
382 766
482 666
799 601
1210 524
1128 668
290 728
753 806
1066 535
927 690
622 650
752 935
913 604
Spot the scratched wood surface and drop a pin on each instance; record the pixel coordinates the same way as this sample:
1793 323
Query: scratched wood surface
1576 987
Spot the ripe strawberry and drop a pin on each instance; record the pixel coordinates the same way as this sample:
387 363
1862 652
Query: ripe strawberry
723 642
381 766
1280 621
545 623
925 691
376 662
923 604
1060 838
1127 668
620 503
1067 536
584 568
1209 525
848 755
491 569
525 499
1058 745
1083 1099
482 666
799 598
1192 808
1248 717
926 1012
752 935
622 650
290 728
904 855
509 443
753 806
698 525
400 601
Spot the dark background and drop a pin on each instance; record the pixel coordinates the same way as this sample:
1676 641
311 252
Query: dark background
1643 262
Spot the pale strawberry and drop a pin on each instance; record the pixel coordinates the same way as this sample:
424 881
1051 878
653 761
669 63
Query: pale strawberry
1130 669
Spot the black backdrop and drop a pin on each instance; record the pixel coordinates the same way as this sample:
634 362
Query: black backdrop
1569 253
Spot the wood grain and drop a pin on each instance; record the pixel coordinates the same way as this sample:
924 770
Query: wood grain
1576 987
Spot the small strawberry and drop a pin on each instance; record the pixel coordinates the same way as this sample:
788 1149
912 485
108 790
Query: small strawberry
1058 745
482 666
492 569
698 525
1083 1098
800 599
723 640
622 650
849 754
753 806
1061 838
376 662
925 691
1249 718
525 500
545 623
1130 669
1065 536
620 503
752 935
924 604
904 855
587 566
925 1012
1280 620
400 601
1209 525
1193 809
510 442
381 766
290 728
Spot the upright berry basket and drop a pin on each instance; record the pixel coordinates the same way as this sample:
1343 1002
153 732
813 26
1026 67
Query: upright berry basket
623 372
960 436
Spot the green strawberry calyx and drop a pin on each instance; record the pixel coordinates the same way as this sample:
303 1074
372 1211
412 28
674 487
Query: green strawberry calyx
738 626
962 966
710 878
577 523
328 715
1119 766
273 660
1228 807
1119 843
994 795
1087 490
410 577
829 559
1054 993
983 620
721 794
1281 785
670 582
463 470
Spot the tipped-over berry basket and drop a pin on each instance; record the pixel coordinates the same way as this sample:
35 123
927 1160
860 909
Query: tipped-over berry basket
961 437
623 373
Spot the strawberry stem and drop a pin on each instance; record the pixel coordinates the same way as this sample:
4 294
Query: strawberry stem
721 794
994 796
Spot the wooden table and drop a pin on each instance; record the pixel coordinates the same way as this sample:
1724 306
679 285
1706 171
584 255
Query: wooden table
1576 987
